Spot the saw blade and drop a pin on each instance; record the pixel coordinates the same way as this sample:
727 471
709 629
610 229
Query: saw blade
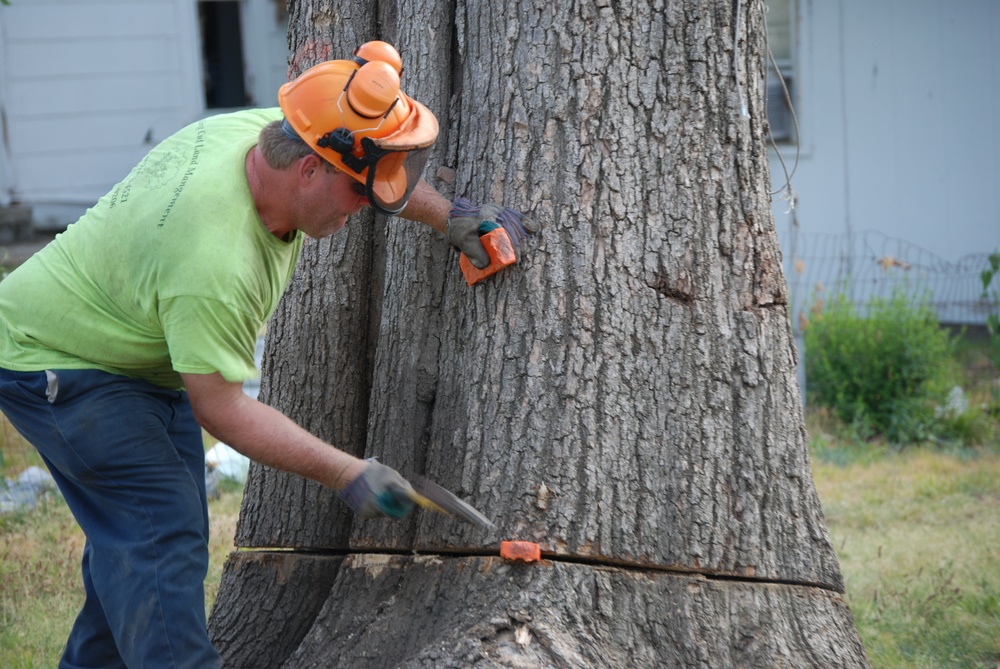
431 495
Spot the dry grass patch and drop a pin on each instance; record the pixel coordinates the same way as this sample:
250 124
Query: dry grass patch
41 590
918 537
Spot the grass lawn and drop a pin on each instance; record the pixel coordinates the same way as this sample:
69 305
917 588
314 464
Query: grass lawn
917 533
40 586
916 530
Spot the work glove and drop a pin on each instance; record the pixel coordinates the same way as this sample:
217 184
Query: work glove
378 491
466 222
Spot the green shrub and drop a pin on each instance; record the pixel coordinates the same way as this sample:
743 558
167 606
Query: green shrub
972 427
991 275
882 372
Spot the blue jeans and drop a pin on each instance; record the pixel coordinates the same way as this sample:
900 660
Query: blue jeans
128 458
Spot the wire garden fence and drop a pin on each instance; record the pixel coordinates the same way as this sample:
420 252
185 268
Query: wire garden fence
867 265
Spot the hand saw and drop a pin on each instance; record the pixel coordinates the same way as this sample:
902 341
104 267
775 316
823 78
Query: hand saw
432 496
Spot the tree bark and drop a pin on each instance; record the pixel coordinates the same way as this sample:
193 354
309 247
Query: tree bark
274 599
483 612
625 397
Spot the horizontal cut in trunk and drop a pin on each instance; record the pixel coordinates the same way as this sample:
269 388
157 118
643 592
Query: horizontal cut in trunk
443 612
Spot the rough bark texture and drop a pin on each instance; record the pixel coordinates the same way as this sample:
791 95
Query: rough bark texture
318 354
438 613
625 396
278 596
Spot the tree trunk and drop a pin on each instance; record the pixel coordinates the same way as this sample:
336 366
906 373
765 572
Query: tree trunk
625 397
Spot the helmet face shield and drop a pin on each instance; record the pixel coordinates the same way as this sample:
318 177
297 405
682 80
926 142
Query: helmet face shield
392 175
396 161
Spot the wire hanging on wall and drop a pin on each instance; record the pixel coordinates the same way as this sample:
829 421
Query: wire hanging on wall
787 187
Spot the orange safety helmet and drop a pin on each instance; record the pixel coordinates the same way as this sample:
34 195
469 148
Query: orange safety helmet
353 114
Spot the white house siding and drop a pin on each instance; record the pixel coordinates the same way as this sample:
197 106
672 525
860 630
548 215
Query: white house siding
87 88
898 103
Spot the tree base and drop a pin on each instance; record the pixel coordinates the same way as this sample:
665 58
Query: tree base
376 610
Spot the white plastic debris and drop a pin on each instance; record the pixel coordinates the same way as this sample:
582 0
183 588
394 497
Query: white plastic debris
38 478
956 404
24 493
227 462
252 386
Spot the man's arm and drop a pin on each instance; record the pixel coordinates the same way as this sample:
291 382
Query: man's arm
460 221
264 434
427 206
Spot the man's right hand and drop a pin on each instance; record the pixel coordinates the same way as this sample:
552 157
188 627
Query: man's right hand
378 491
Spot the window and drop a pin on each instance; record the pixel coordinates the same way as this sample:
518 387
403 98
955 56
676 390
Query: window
781 42
222 54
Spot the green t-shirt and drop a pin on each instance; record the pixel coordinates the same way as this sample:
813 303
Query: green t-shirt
172 271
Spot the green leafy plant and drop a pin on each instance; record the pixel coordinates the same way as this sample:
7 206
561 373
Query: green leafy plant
992 295
881 372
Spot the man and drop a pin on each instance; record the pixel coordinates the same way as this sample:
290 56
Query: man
138 323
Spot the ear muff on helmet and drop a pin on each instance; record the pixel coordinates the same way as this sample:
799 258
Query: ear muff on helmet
354 115
379 51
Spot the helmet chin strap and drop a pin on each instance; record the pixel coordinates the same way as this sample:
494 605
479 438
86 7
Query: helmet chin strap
289 131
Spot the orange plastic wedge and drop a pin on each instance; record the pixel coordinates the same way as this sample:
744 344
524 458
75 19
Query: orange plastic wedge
522 551
500 250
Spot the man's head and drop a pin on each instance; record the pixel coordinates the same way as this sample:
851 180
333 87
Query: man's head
301 190
353 114
280 150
